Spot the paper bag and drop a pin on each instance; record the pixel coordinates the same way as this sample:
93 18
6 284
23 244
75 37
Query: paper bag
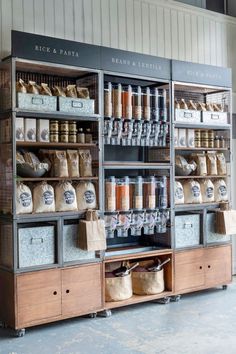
91 236
226 222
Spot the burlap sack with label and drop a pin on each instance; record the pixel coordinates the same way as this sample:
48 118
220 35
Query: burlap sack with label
91 236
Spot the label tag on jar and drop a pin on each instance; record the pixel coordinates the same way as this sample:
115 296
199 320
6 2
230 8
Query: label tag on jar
151 201
138 202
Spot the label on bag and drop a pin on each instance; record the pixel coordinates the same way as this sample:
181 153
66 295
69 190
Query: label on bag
25 199
222 191
179 193
48 198
209 192
69 197
89 197
196 191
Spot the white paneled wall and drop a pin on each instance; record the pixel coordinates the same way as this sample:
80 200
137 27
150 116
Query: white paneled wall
158 27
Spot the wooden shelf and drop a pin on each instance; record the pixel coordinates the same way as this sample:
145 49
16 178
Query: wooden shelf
53 145
200 149
199 177
135 254
36 179
135 299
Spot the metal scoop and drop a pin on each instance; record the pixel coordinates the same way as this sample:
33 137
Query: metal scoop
159 266
123 271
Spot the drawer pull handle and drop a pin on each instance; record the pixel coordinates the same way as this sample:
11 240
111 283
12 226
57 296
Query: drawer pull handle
55 293
188 225
37 101
76 104
200 267
36 240
209 266
67 291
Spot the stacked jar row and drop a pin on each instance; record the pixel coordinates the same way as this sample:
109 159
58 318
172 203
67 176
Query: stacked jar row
126 101
123 194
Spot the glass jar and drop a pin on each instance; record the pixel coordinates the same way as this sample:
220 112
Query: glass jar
149 195
197 138
122 194
127 102
137 103
108 100
80 136
216 142
137 193
88 136
146 104
222 142
117 101
161 193
110 194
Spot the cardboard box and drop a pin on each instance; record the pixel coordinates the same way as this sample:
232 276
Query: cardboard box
226 222
20 129
190 137
176 137
30 129
182 138
43 130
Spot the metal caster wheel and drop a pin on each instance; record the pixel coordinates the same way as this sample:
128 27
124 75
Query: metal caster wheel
105 313
3 324
92 315
175 298
20 332
164 301
224 287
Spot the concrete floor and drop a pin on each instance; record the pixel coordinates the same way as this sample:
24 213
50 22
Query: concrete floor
201 323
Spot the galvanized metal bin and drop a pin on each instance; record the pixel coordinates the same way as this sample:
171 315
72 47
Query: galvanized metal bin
36 246
187 116
33 102
76 105
187 230
211 235
71 252
214 118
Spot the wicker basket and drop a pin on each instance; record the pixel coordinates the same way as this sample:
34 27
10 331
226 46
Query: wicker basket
118 288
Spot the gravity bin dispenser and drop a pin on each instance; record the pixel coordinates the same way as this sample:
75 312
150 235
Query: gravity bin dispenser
137 164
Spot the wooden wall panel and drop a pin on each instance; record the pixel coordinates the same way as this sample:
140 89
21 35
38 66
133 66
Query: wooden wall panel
158 27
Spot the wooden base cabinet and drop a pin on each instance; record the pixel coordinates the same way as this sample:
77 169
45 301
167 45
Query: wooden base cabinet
50 295
202 268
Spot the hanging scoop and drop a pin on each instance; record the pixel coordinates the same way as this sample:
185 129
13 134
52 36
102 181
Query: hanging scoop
158 267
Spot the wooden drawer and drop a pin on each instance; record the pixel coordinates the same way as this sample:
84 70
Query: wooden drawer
218 265
38 296
81 289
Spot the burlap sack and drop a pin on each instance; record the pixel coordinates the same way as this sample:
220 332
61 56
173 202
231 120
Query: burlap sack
60 164
221 164
118 288
179 193
207 190
192 192
65 197
73 163
86 196
220 191
43 197
85 163
148 283
24 203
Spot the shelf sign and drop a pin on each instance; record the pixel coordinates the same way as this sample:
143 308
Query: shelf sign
132 63
42 48
201 74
